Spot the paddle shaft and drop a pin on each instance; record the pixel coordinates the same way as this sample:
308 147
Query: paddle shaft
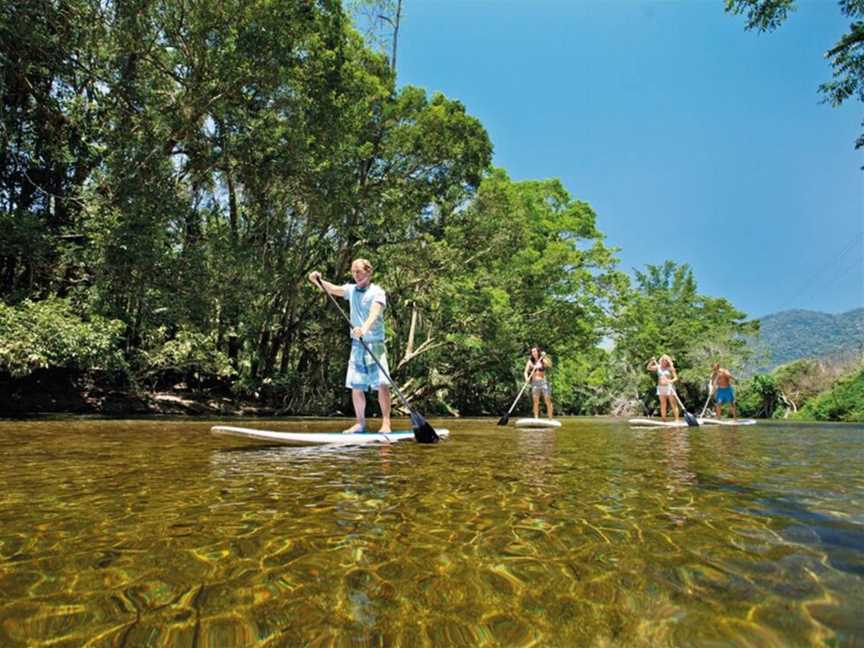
707 400
691 420
368 350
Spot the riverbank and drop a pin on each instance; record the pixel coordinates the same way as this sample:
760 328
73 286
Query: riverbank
71 392
68 391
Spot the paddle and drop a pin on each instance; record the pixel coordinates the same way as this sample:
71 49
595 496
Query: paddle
503 420
423 432
707 400
691 420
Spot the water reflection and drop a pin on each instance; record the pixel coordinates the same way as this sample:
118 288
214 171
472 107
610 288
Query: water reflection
159 534
840 540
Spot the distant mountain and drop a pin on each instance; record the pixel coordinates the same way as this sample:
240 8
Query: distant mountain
793 334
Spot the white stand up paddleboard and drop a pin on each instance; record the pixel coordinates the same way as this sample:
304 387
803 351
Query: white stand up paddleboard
318 438
656 422
714 421
537 423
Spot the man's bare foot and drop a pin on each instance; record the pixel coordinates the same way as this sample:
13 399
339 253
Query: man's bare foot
354 429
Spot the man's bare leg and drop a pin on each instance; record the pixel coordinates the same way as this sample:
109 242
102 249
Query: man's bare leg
384 402
358 398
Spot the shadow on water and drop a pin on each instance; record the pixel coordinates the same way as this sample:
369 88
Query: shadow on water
842 541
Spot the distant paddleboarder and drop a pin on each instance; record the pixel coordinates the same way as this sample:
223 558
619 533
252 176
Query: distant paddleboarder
724 394
368 301
666 377
538 363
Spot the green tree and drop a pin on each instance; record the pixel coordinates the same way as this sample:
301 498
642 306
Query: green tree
380 21
521 263
50 334
664 313
760 397
843 402
803 388
50 73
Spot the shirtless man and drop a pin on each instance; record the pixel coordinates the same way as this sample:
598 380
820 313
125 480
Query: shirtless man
721 382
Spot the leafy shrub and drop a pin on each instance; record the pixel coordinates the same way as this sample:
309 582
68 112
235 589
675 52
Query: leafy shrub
46 334
759 396
189 355
843 402
801 380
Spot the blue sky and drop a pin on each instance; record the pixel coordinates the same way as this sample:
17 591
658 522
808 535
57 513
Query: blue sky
692 139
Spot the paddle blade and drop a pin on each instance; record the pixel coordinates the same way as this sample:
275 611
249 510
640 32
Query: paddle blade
423 432
503 420
691 420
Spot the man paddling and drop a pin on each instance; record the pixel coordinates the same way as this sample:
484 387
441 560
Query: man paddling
721 381
367 301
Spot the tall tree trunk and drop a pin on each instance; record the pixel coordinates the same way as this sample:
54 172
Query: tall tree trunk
396 22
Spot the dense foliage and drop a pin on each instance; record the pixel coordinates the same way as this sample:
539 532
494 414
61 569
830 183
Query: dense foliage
843 402
48 333
807 388
759 397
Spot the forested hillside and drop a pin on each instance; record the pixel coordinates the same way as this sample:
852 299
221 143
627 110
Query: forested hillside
790 335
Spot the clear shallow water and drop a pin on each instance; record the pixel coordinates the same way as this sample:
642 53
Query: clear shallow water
156 533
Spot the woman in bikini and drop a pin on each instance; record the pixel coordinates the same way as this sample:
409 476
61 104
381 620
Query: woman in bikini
538 363
666 377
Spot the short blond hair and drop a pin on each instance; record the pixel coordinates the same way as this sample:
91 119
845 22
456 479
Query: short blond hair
363 264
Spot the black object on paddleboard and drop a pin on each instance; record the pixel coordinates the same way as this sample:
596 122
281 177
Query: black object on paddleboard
692 421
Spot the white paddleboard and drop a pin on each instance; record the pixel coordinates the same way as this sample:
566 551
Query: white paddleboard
648 422
318 438
537 423
714 421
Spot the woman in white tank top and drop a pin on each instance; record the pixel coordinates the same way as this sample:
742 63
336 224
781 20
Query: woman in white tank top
666 377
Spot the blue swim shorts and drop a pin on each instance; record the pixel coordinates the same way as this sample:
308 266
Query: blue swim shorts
363 373
725 395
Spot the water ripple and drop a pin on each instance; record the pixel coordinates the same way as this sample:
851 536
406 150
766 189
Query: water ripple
155 533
